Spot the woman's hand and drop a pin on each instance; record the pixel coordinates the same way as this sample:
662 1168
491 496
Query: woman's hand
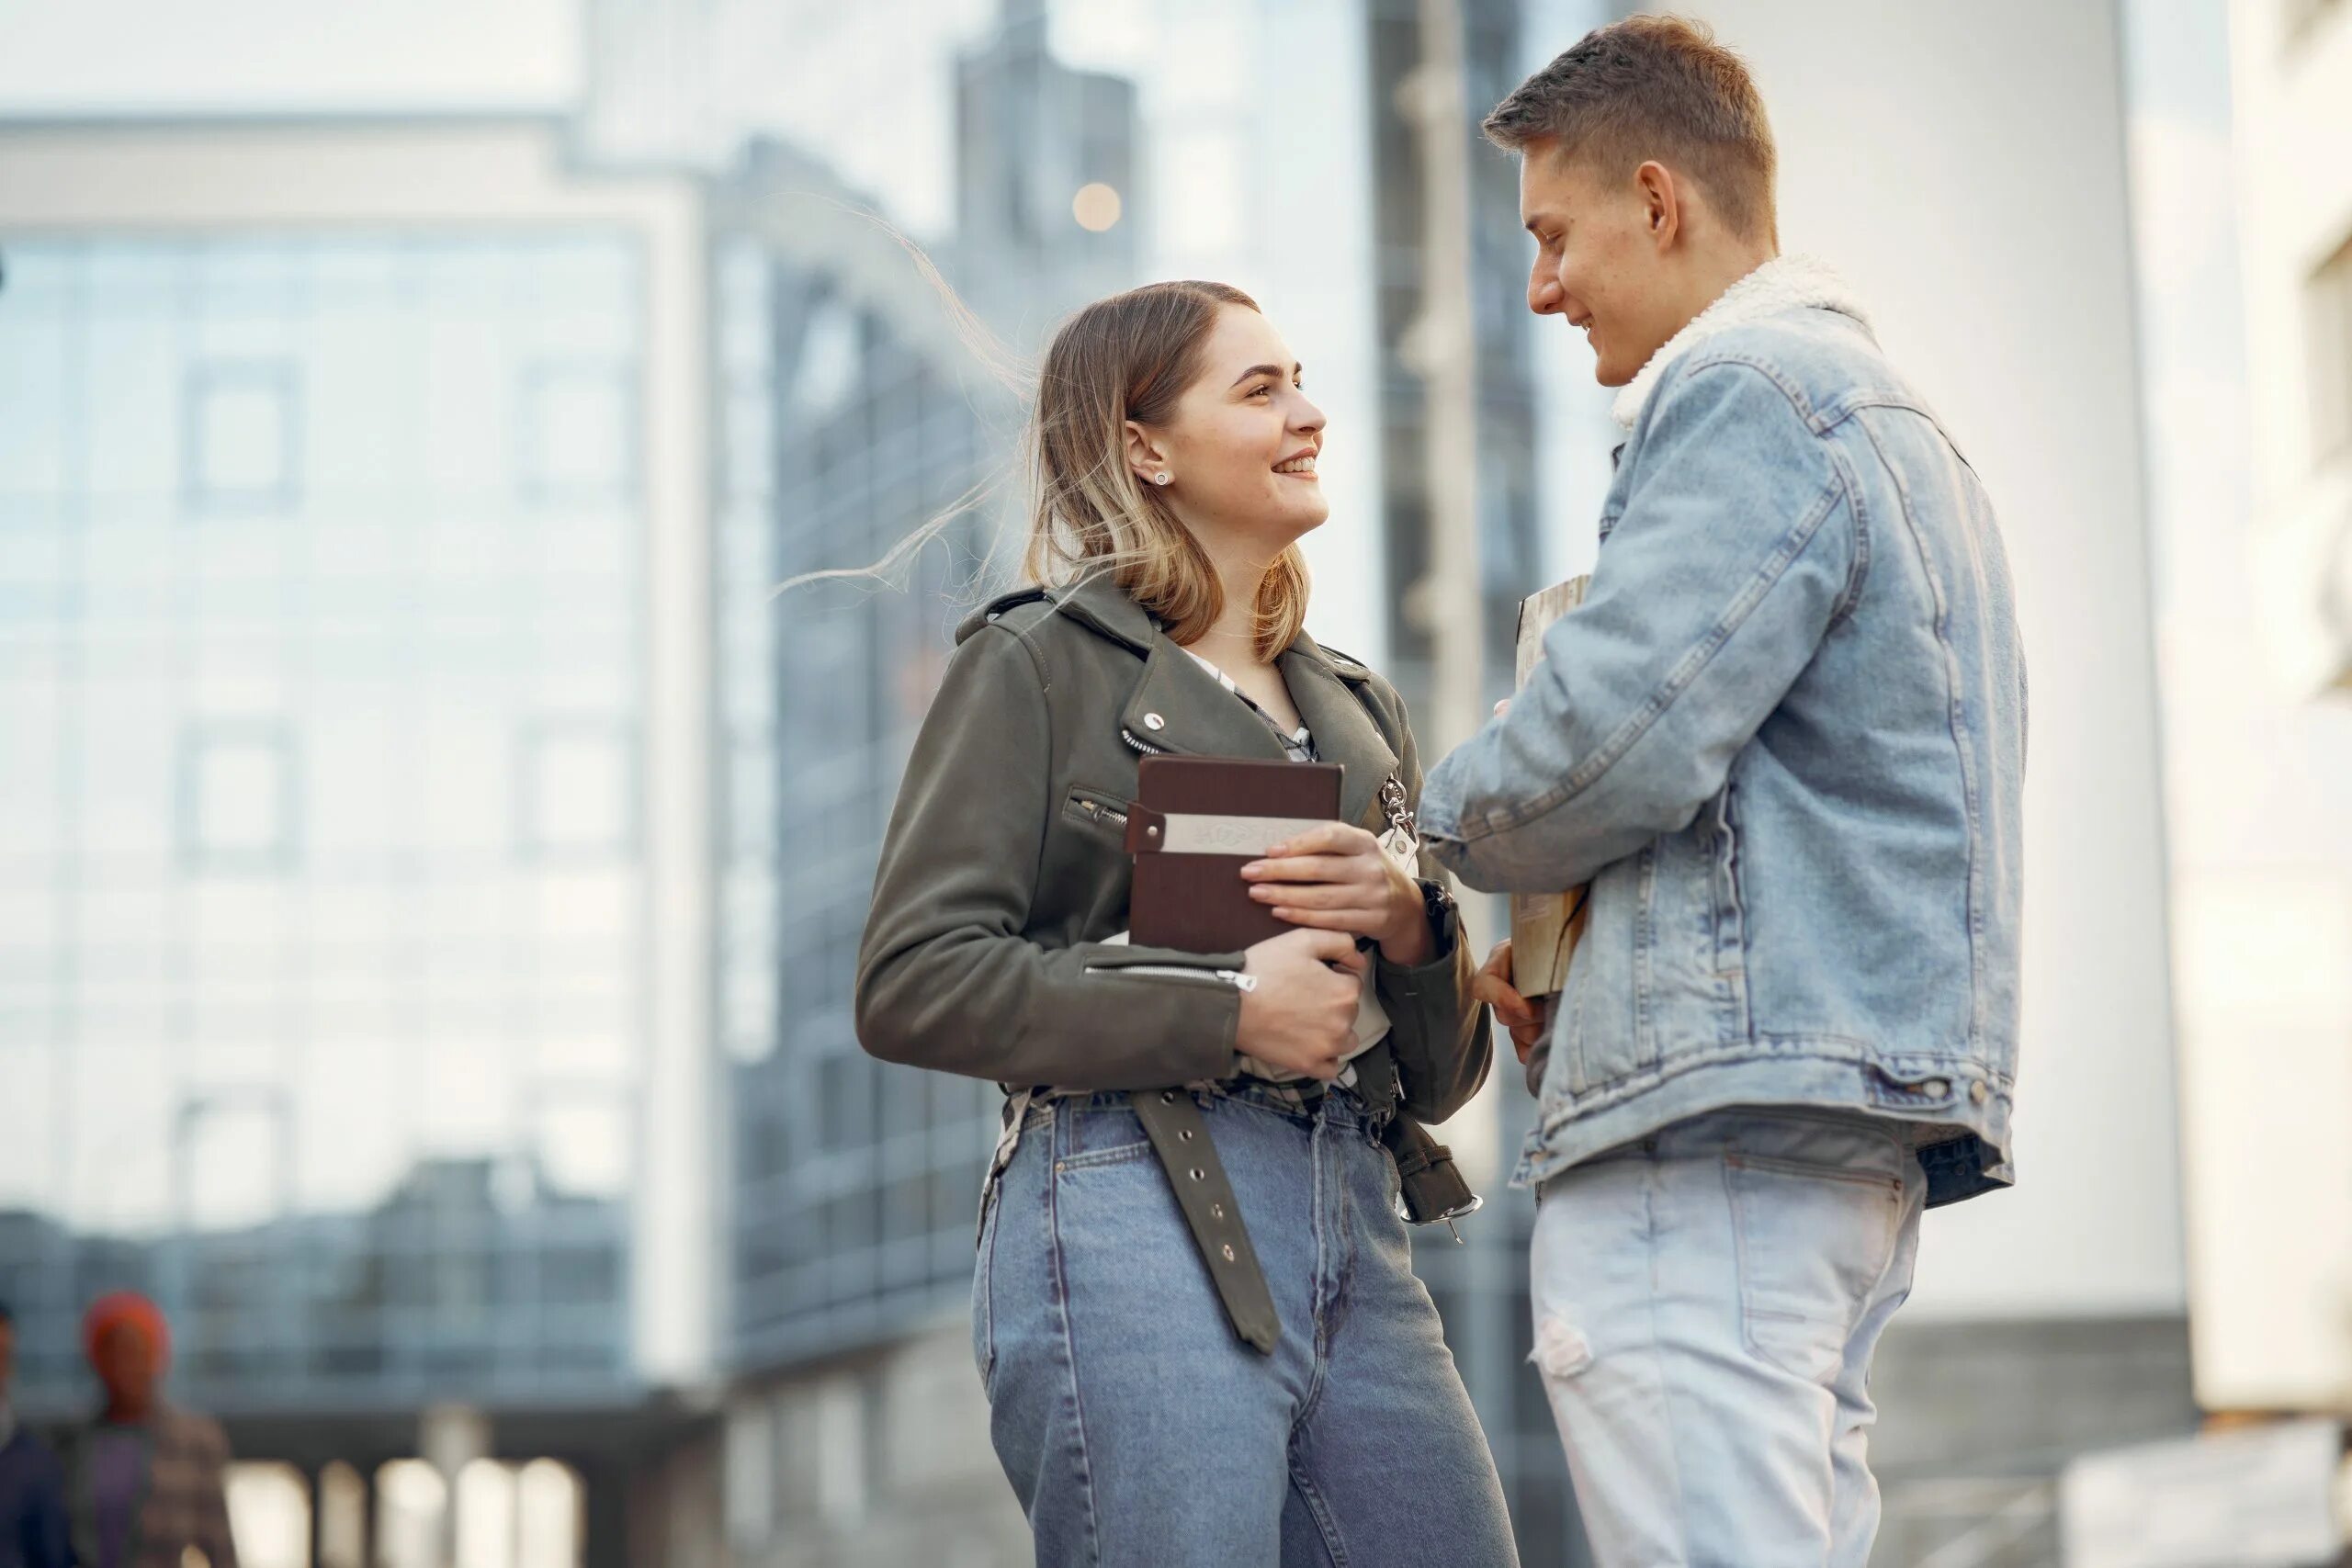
1336 877
1525 1020
1301 1017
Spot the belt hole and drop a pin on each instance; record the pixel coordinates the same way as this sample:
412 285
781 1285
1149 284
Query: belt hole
1216 1210
1167 1097
1198 1174
1186 1135
1228 1252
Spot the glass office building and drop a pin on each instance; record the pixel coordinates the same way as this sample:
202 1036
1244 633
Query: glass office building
320 974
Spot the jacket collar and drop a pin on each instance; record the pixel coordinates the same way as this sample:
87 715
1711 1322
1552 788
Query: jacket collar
1199 718
1784 282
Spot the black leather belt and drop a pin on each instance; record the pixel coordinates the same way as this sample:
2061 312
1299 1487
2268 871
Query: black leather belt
1432 1186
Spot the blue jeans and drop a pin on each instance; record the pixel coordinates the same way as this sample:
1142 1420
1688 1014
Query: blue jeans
1707 1301
1137 1430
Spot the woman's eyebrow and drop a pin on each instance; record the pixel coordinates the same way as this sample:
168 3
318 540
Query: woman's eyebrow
1266 370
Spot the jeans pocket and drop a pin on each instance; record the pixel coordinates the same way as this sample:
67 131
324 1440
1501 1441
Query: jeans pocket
1813 1243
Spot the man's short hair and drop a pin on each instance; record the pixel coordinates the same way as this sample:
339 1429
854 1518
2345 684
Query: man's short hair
1654 87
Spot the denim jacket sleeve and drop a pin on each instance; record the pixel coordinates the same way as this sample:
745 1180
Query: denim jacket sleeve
947 976
1733 556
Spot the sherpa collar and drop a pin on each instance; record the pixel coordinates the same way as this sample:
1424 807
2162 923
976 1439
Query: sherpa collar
1784 282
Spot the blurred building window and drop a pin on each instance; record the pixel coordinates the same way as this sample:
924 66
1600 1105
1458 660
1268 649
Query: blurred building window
237 809
240 429
578 424
576 790
2329 298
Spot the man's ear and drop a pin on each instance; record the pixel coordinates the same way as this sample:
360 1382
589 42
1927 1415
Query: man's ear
1661 199
1145 456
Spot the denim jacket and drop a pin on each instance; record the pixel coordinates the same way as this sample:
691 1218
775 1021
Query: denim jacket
1784 739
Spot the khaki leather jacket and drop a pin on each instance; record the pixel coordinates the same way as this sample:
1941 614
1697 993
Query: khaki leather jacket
1003 869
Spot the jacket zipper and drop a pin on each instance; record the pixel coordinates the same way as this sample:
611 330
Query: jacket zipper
1145 746
1234 977
1096 809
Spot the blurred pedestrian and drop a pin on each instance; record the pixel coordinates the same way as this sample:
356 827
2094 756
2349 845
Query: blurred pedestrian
146 1478
32 1483
1783 739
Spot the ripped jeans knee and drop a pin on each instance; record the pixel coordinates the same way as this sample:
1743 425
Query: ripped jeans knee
1561 1350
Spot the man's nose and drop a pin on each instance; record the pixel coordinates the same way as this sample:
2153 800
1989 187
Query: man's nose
1543 292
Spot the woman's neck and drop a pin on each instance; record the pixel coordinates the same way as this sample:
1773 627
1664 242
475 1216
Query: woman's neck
1233 636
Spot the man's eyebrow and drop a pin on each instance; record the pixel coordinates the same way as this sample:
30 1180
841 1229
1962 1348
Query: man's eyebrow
1265 370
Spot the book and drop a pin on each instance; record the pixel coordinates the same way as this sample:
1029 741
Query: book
1545 926
1196 822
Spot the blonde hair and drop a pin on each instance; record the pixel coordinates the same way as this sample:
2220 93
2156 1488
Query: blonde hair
1130 357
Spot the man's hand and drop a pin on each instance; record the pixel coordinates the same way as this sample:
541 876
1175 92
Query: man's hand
1526 1021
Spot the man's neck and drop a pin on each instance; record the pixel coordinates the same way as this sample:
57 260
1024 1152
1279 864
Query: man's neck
1712 279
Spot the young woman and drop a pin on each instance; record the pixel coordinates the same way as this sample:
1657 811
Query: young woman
1193 1310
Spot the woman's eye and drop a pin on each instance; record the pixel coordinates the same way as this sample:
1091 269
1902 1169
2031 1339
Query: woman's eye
1260 391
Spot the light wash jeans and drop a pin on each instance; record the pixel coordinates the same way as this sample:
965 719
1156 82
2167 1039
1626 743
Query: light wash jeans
1138 1432
1707 1301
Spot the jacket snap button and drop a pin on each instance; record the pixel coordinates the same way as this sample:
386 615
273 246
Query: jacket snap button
1938 1087
1979 1093
1153 721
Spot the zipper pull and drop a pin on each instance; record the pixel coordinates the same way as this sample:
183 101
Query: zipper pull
1240 981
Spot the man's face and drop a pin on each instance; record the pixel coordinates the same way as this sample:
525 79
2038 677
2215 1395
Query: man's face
1600 259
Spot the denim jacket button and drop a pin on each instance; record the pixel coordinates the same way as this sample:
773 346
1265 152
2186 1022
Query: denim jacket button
1935 1088
1978 1093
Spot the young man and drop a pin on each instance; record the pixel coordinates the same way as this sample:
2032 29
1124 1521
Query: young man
1783 740
32 1487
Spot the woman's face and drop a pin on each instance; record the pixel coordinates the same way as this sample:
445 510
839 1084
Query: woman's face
1240 449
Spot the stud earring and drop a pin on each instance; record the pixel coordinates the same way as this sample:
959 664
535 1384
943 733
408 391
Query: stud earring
1160 478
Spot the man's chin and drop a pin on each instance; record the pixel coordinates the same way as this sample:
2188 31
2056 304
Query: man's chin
1610 375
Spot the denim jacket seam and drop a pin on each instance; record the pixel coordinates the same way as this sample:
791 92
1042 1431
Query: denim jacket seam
1793 544
1956 725
1850 601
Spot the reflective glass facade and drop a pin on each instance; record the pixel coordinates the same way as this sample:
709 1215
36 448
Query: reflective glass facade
322 689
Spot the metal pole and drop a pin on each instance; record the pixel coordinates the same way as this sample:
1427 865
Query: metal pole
1443 349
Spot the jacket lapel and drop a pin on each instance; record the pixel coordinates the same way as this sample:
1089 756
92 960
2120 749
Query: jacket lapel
1199 718
1179 706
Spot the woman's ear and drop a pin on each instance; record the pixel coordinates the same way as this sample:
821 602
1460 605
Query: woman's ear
1146 459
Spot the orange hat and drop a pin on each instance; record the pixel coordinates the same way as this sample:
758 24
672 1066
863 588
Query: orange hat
125 1306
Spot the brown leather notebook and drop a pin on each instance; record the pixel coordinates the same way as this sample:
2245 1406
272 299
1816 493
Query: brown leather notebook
1197 821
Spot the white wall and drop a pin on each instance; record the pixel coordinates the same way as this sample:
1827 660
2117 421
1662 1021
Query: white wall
1964 166
2262 842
